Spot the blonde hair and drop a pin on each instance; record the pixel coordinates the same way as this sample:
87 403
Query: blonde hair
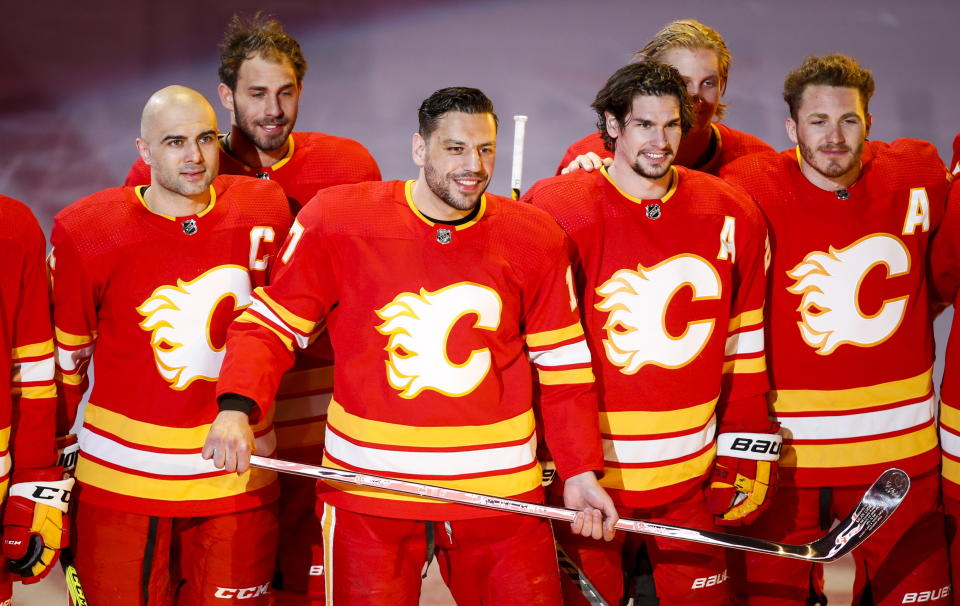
689 33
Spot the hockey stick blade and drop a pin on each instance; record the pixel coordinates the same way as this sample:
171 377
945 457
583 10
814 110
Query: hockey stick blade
878 503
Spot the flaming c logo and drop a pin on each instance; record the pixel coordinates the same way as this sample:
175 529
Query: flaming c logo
418 326
637 303
179 317
829 282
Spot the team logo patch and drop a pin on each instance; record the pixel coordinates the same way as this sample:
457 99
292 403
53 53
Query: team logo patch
653 211
444 236
637 303
829 284
189 226
419 325
179 319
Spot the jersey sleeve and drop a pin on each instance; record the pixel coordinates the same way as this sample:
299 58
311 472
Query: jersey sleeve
743 399
558 350
139 173
75 302
945 255
283 316
33 394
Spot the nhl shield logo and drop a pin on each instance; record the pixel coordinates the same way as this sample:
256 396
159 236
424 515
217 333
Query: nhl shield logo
444 236
189 226
653 211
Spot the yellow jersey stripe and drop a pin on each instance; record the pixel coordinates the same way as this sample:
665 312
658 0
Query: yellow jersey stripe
39 392
503 485
72 340
648 423
832 400
949 416
519 427
204 489
853 454
34 350
550 337
651 478
747 318
745 365
291 319
565 377
148 434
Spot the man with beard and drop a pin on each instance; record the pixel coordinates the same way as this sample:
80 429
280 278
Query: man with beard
261 78
700 55
669 267
146 281
849 337
437 298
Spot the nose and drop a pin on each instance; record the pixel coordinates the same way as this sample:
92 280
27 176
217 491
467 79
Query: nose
835 135
193 152
660 138
472 161
273 108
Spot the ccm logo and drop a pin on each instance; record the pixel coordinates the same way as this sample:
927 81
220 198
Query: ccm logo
316 571
917 597
242 594
49 493
709 581
756 446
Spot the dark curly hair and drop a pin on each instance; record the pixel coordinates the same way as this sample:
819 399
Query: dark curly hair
829 70
259 34
641 78
452 99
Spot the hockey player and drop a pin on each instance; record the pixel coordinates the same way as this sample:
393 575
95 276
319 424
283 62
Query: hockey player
33 490
849 337
701 56
146 281
261 78
669 269
945 268
435 296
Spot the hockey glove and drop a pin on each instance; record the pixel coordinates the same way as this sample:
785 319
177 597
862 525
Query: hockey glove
743 476
68 451
35 522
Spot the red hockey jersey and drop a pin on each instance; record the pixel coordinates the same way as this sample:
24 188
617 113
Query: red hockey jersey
150 298
849 337
27 392
313 162
731 144
945 270
672 303
434 328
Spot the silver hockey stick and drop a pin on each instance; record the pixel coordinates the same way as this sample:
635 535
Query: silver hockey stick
877 504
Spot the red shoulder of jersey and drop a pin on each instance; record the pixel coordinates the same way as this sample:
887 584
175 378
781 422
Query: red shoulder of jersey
955 160
591 143
345 160
902 162
20 226
736 144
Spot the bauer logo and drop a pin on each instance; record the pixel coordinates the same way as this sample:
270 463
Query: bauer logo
919 597
756 446
710 581
246 593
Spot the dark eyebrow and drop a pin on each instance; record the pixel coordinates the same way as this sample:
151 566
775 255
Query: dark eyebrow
183 138
264 88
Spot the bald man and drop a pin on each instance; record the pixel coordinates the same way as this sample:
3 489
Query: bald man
146 281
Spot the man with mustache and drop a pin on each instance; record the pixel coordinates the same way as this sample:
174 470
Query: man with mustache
849 337
437 298
261 80
146 280
700 55
669 267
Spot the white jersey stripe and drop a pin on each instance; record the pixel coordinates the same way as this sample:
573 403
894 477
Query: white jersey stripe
747 342
261 308
159 463
861 425
574 353
34 372
660 449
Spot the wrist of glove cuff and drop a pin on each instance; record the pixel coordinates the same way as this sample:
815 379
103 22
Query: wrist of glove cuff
233 401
